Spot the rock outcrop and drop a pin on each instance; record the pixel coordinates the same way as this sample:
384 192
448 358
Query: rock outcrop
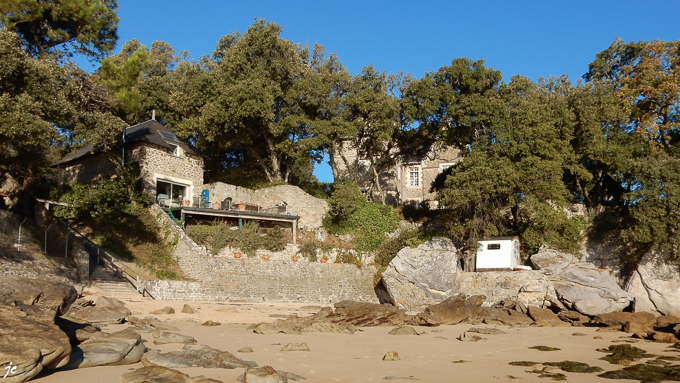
29 338
205 357
118 348
659 277
426 275
162 374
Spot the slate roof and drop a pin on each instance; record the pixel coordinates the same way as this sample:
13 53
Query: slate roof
147 131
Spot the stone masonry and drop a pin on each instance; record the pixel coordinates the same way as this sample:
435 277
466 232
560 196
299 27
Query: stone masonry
224 278
255 280
156 163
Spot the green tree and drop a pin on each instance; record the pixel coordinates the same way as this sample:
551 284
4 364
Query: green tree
248 98
45 109
372 107
511 179
63 27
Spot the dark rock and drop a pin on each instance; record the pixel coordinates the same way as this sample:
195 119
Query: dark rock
246 350
666 321
544 317
188 309
454 310
205 357
363 314
510 318
162 375
151 323
77 331
573 317
640 322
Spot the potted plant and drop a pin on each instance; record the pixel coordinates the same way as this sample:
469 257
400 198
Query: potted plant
237 255
265 257
216 205
324 259
241 206
295 258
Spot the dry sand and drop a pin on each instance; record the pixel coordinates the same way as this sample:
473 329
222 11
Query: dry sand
429 357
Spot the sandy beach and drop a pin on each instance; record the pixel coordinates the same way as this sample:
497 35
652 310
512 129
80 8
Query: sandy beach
433 356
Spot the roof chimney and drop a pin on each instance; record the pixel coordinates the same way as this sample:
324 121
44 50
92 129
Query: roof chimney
153 115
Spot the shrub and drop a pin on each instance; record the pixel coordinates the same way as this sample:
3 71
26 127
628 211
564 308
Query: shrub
345 199
251 238
349 257
370 223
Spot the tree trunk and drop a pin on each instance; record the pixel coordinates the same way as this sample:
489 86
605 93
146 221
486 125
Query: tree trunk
376 181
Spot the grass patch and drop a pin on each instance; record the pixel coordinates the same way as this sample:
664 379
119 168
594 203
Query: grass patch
544 348
645 373
136 236
571 366
624 354
523 363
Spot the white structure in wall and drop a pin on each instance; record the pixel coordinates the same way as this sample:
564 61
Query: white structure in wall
498 254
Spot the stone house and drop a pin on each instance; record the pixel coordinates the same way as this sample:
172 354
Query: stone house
169 166
408 181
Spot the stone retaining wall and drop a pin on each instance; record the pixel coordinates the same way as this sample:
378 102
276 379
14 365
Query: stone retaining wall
254 280
310 209
527 287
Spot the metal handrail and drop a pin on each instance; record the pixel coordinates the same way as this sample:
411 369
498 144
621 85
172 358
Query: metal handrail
110 261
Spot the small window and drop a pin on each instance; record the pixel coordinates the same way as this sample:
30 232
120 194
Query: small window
168 136
493 246
174 150
414 176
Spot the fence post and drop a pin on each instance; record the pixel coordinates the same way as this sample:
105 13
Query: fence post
19 244
66 249
48 227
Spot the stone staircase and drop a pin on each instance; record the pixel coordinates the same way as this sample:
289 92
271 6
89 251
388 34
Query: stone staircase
106 281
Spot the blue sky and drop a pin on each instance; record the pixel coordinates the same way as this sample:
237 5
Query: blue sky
531 38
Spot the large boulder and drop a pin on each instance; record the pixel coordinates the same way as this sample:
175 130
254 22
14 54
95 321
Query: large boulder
423 276
579 285
660 277
29 339
37 297
119 348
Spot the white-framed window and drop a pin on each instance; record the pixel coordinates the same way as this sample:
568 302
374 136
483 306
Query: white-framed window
414 176
174 150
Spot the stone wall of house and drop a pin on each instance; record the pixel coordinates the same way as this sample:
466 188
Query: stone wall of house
429 169
155 162
310 209
86 170
254 280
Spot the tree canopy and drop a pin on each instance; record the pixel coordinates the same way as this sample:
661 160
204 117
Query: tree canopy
63 27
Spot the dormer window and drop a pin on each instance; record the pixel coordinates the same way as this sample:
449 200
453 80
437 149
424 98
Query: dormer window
174 150
172 142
